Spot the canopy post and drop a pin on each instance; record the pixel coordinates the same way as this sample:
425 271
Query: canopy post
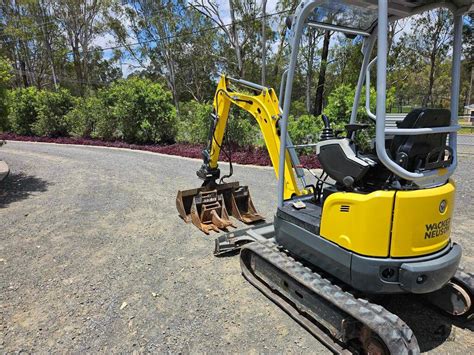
366 51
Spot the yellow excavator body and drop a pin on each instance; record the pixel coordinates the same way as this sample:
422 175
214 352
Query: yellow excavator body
397 224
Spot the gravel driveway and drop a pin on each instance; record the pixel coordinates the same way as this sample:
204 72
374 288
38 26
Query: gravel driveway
94 257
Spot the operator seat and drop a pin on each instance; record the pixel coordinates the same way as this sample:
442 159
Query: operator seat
425 151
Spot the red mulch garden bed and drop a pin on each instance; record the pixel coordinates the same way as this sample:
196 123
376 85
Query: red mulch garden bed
251 155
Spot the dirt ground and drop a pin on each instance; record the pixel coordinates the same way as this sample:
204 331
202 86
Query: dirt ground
94 257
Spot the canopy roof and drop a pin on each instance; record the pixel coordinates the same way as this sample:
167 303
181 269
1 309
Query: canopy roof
362 14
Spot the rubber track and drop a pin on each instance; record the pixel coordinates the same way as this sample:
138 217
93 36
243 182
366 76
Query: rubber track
396 335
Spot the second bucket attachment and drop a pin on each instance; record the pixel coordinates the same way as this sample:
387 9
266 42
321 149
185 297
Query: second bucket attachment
242 206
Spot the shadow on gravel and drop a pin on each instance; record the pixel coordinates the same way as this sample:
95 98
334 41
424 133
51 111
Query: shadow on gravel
19 186
431 327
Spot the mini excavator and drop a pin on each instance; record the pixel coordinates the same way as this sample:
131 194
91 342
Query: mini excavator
379 226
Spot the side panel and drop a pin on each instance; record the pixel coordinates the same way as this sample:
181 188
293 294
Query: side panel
357 222
422 220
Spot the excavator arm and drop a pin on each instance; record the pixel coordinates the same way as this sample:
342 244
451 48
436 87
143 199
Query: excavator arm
264 107
209 206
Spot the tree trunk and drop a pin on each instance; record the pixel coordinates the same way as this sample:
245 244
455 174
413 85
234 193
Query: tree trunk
47 43
264 42
24 75
469 90
76 58
318 100
309 83
429 96
276 68
236 43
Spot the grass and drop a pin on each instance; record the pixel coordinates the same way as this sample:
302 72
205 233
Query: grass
466 130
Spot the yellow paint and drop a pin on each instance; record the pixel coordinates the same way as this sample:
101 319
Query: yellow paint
264 107
368 228
419 227
365 229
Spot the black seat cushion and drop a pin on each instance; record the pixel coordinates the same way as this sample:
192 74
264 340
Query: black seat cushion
412 152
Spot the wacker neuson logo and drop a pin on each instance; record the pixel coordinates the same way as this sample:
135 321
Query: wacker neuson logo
436 229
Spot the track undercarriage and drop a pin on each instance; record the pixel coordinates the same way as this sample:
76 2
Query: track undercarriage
335 314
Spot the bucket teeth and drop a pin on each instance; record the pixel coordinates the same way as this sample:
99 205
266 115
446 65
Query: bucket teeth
208 209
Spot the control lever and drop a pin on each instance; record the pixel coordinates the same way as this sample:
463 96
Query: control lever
328 132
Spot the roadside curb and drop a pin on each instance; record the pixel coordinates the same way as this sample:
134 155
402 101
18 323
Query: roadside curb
4 170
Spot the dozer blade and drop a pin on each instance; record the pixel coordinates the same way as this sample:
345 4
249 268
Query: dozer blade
209 208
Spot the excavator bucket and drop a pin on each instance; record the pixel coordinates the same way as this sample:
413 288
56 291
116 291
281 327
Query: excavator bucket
209 208
242 206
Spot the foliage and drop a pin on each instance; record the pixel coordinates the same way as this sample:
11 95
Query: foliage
23 110
194 121
340 102
138 111
134 110
81 120
51 108
298 108
5 77
242 129
183 47
305 129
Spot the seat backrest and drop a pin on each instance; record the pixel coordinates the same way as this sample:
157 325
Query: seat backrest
412 152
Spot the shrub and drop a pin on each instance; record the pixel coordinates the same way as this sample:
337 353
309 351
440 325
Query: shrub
340 101
52 107
137 110
195 122
340 107
298 107
304 129
23 110
242 128
82 119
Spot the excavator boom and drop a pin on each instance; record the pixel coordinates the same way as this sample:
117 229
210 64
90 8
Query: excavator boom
209 206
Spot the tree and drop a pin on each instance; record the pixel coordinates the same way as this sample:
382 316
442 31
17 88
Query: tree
241 32
429 41
164 32
308 52
318 100
264 42
468 49
82 22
